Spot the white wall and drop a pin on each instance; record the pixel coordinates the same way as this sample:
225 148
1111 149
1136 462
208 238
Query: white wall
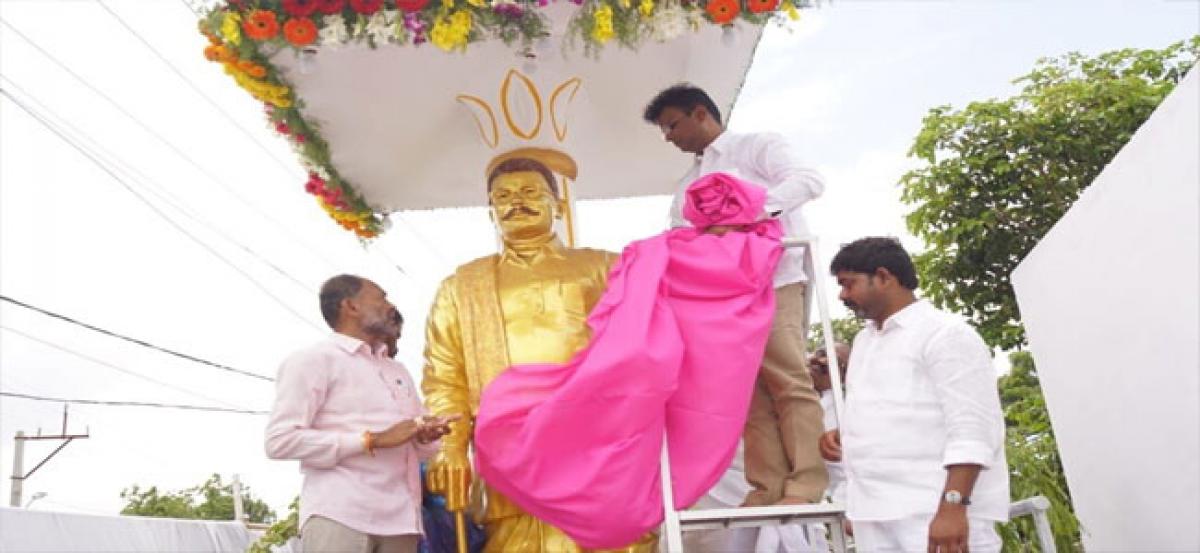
1109 299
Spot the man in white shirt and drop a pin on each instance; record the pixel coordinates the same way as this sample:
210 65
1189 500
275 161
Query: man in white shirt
923 433
782 462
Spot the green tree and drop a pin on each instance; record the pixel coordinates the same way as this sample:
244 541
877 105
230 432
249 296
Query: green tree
279 533
999 173
844 330
1034 465
212 500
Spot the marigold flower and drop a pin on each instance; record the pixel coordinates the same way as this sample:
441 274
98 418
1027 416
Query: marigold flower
220 53
261 25
231 28
790 8
213 40
603 30
761 6
453 32
300 8
722 11
300 31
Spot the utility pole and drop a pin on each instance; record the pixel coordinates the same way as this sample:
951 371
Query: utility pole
239 511
19 475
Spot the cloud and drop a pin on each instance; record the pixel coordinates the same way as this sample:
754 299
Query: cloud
811 106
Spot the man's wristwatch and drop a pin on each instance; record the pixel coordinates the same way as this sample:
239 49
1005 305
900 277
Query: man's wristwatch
954 497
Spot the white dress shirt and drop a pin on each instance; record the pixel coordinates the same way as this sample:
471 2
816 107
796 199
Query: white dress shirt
923 396
767 160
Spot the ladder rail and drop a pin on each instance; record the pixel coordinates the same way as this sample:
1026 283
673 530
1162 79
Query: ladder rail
677 522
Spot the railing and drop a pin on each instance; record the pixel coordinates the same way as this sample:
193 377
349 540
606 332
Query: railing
1036 506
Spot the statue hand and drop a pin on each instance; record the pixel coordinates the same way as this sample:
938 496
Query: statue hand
449 475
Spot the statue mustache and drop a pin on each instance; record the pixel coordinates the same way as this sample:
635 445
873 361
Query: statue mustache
517 210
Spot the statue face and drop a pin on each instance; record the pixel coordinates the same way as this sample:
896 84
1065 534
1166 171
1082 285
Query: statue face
523 204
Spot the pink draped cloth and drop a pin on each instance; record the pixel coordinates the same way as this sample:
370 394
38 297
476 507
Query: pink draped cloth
677 340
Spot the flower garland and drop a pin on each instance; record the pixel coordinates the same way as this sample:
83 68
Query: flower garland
241 33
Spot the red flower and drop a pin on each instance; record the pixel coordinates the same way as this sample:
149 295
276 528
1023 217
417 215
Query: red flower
411 6
366 7
722 11
300 32
760 6
299 138
282 128
315 184
330 7
261 25
300 8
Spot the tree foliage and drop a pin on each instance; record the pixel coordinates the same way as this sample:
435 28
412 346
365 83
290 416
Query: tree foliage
281 532
1034 465
212 500
999 173
844 330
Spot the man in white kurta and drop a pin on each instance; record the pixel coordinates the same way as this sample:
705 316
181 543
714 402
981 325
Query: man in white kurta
784 423
923 434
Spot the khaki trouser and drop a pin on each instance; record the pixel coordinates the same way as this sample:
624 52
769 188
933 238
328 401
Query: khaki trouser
323 535
786 419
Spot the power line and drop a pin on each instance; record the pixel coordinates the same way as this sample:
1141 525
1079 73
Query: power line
135 340
290 170
191 8
154 208
133 404
178 151
151 186
163 140
112 366
174 69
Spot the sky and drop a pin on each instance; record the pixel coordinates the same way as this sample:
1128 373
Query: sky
230 273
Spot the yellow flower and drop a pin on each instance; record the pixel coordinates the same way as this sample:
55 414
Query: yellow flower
790 8
453 32
603 30
624 4
478 3
646 7
231 28
447 4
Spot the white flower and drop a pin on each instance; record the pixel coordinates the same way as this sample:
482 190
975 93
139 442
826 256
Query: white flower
379 26
668 22
334 33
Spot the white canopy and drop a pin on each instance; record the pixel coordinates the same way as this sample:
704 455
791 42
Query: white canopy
415 128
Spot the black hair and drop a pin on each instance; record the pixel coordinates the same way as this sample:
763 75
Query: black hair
867 255
334 291
684 97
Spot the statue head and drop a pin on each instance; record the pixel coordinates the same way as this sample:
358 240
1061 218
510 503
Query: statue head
523 196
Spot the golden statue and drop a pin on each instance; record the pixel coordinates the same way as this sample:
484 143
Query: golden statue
527 304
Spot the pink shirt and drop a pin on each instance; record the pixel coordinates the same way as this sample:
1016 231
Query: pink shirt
325 397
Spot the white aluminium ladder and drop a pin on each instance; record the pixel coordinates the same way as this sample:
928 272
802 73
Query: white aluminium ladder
677 522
